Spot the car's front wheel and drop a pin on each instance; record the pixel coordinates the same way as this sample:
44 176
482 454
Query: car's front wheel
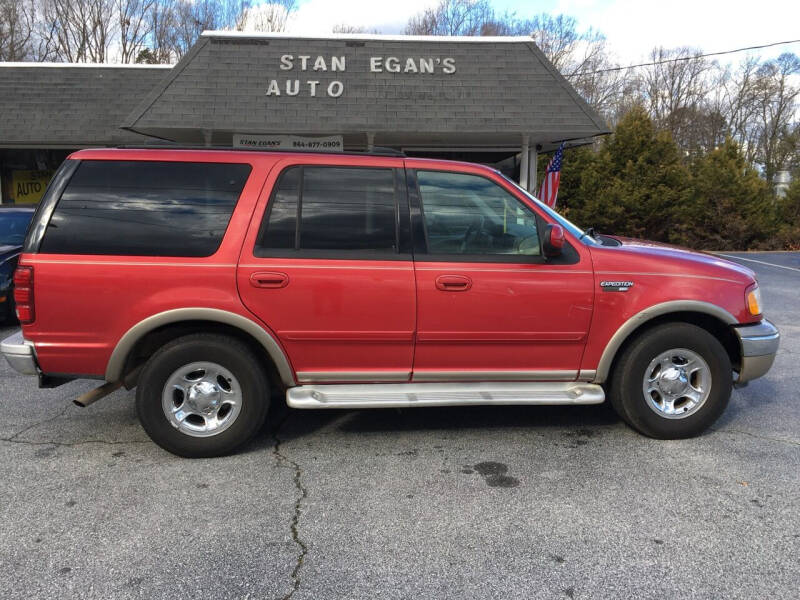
202 395
672 381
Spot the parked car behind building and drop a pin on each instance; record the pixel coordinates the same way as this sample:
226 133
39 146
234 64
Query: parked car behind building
14 220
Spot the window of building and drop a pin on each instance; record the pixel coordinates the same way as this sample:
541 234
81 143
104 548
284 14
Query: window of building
145 208
468 214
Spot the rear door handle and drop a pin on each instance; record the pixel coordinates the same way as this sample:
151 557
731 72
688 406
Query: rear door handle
264 279
453 283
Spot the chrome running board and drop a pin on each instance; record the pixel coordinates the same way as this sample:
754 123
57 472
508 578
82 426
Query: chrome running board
400 395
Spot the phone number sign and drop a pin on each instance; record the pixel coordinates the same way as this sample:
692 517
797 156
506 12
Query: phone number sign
331 143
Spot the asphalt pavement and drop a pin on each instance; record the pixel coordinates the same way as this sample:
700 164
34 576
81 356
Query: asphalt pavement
477 502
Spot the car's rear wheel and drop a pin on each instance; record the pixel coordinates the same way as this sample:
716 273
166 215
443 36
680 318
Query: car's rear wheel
202 395
672 381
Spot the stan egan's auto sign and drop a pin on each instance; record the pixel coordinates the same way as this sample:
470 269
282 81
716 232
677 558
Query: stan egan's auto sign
334 64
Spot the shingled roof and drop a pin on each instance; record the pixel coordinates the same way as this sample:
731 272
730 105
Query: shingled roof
52 104
501 89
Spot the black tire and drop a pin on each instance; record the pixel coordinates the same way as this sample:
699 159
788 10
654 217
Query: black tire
626 385
232 355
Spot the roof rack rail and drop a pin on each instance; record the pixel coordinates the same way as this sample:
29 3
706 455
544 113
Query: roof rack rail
384 150
167 145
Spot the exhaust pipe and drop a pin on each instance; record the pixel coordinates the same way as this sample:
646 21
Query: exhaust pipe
129 381
97 393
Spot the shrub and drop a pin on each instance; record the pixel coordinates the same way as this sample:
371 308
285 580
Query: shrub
636 183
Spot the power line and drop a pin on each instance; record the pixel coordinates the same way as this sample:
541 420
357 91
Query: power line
682 58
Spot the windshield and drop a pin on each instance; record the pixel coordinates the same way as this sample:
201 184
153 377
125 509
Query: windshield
13 226
565 223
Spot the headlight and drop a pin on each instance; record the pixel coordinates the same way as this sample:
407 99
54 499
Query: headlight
754 304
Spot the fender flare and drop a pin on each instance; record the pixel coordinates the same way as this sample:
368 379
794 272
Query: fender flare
648 314
126 343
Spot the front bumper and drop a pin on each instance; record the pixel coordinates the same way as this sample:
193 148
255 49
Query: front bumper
20 354
759 344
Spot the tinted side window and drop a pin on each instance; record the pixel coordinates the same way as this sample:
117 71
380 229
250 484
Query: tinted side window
337 208
281 228
468 214
143 208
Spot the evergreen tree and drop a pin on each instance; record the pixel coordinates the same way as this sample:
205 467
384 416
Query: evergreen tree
732 207
788 210
635 185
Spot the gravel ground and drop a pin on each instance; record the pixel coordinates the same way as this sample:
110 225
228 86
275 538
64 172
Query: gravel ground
511 502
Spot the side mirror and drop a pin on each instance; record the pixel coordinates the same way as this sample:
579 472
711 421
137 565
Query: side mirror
553 241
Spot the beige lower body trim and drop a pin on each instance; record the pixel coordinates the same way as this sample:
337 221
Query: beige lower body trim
438 376
331 376
433 376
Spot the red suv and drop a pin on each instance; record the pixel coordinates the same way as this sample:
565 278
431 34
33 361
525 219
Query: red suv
208 278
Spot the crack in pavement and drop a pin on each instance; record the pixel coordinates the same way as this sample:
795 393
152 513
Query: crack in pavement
303 494
60 413
282 459
71 444
13 439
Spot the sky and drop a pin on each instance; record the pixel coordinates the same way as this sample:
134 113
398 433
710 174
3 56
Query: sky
632 27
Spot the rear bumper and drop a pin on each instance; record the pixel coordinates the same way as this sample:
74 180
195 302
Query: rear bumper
20 354
759 345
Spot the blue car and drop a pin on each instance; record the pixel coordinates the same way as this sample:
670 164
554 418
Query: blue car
14 220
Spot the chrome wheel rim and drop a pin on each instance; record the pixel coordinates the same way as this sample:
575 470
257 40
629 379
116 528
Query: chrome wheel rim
677 383
201 399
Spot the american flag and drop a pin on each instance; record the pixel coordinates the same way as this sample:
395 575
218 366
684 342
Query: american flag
552 176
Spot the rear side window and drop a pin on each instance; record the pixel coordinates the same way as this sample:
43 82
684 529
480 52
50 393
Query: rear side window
145 208
337 209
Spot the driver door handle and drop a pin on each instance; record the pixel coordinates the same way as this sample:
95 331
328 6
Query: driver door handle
453 283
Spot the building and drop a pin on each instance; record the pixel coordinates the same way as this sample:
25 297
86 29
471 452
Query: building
50 110
495 100
783 180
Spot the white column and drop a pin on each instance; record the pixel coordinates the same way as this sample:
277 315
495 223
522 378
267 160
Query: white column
370 142
532 179
524 163
207 137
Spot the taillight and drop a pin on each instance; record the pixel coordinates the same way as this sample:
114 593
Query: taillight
23 294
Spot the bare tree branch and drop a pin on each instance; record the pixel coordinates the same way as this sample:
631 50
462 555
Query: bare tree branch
17 22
